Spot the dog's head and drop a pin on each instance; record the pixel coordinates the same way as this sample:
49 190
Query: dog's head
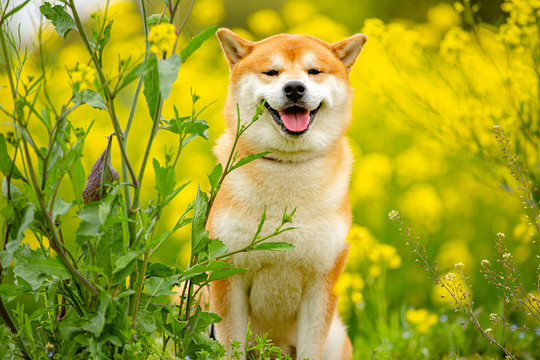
304 84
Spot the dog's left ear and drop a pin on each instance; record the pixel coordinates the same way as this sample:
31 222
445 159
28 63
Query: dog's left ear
348 50
234 46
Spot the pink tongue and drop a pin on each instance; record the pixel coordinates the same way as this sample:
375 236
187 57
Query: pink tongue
295 119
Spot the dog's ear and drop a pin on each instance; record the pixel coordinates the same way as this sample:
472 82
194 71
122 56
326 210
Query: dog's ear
347 50
234 46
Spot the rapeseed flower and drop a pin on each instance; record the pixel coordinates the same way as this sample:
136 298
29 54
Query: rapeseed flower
162 38
349 286
208 12
82 76
453 43
421 319
265 22
453 290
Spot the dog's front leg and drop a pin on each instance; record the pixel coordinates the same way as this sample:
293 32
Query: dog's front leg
228 299
314 319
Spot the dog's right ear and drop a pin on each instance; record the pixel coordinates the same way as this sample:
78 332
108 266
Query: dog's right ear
234 46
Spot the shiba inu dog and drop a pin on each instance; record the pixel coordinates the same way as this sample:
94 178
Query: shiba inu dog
304 84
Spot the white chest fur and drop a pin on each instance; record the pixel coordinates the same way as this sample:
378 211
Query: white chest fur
317 188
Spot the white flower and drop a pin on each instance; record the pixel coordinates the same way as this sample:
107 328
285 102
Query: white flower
450 276
493 316
496 126
507 256
489 330
459 265
393 215
486 263
500 234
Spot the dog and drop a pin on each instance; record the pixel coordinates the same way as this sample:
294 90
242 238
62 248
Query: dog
304 84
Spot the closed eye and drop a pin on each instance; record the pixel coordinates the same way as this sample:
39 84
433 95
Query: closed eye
314 71
271 72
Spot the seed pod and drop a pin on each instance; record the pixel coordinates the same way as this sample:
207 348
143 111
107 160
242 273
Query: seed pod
102 172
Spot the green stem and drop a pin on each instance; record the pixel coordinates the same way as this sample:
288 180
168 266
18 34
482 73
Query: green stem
7 67
108 96
54 235
132 110
6 317
4 313
140 286
137 193
50 224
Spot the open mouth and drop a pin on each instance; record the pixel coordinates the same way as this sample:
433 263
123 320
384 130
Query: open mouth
294 120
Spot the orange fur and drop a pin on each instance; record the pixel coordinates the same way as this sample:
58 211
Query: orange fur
286 294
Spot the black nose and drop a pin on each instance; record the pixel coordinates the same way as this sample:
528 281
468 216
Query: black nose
294 90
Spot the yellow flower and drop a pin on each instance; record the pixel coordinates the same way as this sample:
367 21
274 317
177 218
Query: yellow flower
265 22
83 76
349 281
421 319
297 11
443 16
455 283
162 38
349 286
453 251
208 12
453 43
384 253
424 206
459 7
362 241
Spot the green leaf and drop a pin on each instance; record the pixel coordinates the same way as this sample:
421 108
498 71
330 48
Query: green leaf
249 158
12 291
100 35
151 87
141 69
62 21
95 322
7 346
201 269
79 176
91 98
175 192
60 207
23 257
198 231
109 246
20 223
15 9
158 286
26 220
159 270
197 41
215 175
51 266
194 128
216 248
123 261
165 179
206 319
223 273
282 246
5 161
91 224
154 19
14 190
168 73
